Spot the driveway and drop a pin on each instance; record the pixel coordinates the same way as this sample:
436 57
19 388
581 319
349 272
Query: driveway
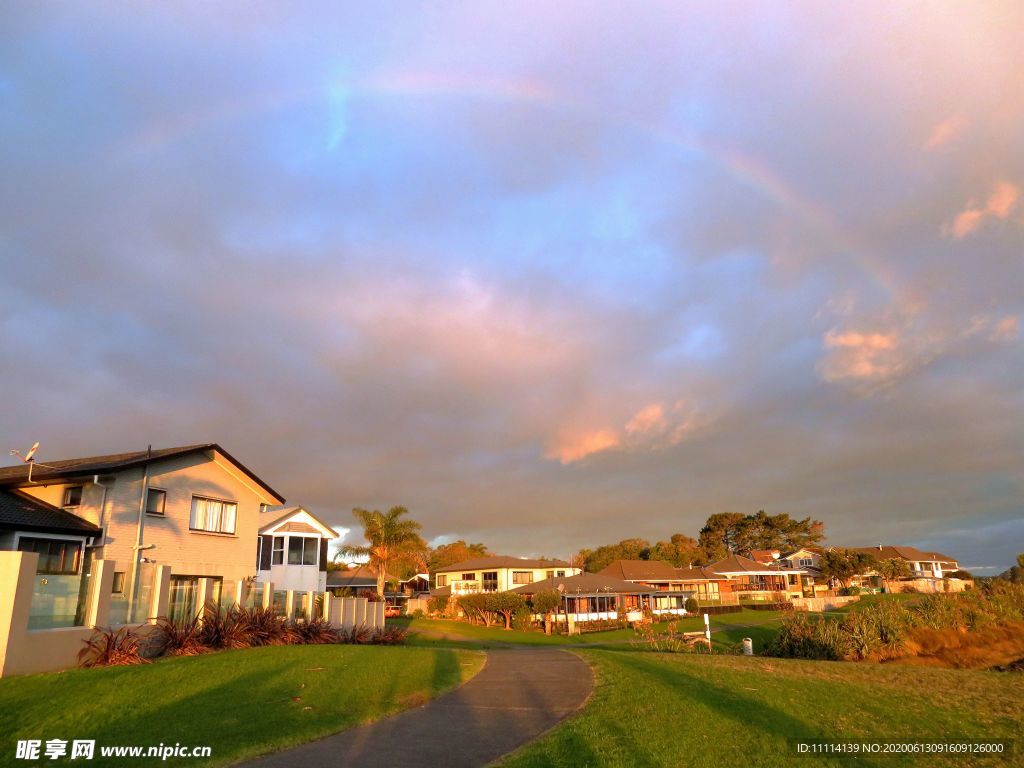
519 694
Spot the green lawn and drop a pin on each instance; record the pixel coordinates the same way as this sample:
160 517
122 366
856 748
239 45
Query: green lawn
240 703
669 710
728 629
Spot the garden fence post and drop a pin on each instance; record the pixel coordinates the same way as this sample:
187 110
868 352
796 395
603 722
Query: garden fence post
101 582
268 595
160 598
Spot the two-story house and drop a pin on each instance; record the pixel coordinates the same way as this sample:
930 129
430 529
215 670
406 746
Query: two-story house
497 573
195 508
293 549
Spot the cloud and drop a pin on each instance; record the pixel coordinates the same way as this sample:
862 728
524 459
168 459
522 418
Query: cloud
871 358
652 427
1006 329
945 132
1000 203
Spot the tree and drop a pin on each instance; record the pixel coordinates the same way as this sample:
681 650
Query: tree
843 564
718 536
547 602
681 551
892 569
731 532
1015 573
505 604
593 560
475 606
391 541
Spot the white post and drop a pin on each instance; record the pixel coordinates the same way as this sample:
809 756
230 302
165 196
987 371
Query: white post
240 592
202 596
289 604
707 630
268 594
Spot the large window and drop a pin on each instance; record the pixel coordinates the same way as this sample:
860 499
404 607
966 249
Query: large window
522 577
490 579
442 579
302 550
469 577
56 556
155 501
212 515
72 496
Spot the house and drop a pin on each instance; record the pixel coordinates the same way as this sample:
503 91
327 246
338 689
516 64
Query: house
356 581
415 585
704 583
497 573
63 541
671 590
292 552
752 580
928 570
194 508
599 597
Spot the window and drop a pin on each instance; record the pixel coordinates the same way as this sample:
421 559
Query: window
550 574
522 577
561 574
442 579
212 515
56 556
118 587
301 550
155 499
805 562
469 577
490 581
72 496
277 551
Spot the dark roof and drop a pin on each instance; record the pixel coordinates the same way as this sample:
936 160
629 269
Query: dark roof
19 511
641 570
902 553
362 576
501 561
700 573
586 584
64 469
740 564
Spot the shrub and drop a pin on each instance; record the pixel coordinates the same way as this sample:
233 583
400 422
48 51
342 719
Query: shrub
177 638
358 635
109 648
223 628
801 638
522 619
418 614
849 591
438 604
314 632
389 635
264 627
691 605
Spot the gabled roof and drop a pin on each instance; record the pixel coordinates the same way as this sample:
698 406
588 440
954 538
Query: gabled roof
273 516
903 553
67 469
501 561
641 570
737 564
586 584
363 576
766 556
19 511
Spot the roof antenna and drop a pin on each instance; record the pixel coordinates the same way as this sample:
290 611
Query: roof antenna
28 458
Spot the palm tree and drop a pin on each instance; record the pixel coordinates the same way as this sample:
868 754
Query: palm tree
391 540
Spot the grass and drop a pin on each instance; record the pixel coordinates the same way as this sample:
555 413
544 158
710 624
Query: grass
653 710
240 703
727 630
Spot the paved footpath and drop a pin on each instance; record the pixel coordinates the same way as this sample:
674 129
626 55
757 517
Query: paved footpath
518 695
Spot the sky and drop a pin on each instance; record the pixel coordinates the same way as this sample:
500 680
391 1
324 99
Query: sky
548 275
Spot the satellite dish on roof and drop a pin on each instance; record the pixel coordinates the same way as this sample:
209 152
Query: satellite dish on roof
28 456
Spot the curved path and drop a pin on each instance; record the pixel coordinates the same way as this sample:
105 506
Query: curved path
517 696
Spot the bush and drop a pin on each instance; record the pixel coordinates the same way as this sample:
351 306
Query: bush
691 605
849 591
314 632
177 638
522 619
417 614
438 604
389 635
111 648
801 638
223 628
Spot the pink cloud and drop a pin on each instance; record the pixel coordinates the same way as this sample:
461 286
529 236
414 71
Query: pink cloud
1000 204
650 417
871 357
573 447
945 132
1007 329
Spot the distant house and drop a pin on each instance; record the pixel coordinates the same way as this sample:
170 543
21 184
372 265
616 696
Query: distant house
497 573
293 549
671 588
417 584
923 565
760 581
595 596
704 583
358 581
194 508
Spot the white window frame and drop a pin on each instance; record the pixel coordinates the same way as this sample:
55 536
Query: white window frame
277 555
527 574
226 506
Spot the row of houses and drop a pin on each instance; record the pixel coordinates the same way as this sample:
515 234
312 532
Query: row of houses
628 588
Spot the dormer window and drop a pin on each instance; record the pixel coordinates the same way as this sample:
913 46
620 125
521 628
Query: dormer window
72 496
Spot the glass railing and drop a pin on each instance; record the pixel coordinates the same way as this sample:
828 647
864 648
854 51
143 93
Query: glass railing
58 600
